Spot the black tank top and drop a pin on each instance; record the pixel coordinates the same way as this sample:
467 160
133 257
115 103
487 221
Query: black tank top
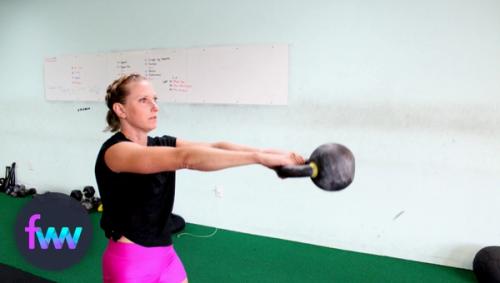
136 206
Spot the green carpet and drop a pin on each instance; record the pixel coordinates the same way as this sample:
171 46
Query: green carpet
236 257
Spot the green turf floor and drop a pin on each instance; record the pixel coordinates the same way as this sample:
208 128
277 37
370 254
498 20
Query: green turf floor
235 257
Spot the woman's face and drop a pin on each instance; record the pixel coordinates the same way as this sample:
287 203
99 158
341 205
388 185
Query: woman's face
140 106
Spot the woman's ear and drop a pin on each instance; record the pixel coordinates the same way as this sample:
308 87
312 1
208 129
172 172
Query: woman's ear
119 110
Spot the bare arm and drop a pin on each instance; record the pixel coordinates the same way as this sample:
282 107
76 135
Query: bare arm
131 157
236 147
219 145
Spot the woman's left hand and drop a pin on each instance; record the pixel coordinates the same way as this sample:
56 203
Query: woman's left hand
295 156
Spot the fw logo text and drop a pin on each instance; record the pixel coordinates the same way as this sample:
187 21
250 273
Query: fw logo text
51 235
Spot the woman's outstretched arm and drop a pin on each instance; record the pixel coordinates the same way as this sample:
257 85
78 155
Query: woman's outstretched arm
134 158
237 147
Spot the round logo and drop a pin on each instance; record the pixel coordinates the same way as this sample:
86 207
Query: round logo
53 231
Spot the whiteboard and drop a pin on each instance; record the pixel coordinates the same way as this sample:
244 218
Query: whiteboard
255 74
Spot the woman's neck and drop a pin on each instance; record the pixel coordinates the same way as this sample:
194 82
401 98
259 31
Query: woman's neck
136 136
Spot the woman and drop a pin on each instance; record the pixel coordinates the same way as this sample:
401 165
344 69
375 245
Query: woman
135 175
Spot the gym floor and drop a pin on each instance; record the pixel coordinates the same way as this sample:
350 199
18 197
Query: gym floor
236 257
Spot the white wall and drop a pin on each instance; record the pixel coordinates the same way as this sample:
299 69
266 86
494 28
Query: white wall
412 87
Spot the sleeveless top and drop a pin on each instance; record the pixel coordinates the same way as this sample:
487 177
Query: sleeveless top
137 206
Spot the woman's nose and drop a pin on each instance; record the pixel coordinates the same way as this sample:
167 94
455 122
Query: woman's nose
155 107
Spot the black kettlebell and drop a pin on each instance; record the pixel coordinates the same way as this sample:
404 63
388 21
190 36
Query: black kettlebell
331 167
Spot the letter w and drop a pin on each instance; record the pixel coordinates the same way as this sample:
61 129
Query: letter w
59 240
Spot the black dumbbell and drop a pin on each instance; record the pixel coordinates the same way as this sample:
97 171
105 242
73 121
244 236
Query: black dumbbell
95 202
20 191
76 194
87 198
88 191
23 192
30 192
331 167
79 196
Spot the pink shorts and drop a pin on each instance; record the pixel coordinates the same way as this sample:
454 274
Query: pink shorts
129 262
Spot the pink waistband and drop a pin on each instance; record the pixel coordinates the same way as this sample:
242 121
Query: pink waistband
135 250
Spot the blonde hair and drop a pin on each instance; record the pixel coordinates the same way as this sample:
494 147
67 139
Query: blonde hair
116 92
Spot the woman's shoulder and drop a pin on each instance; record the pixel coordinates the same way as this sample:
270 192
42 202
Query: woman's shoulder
115 138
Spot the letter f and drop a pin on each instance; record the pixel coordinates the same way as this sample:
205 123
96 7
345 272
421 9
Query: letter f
31 230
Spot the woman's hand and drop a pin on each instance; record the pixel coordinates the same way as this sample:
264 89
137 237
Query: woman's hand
297 157
272 160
